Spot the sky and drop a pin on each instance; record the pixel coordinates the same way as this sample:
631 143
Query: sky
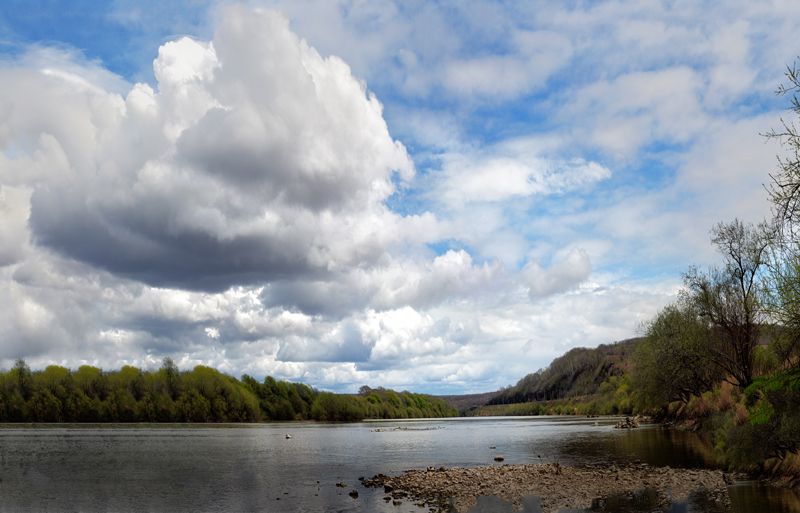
433 196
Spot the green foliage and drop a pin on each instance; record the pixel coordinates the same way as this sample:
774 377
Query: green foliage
764 424
379 403
331 407
203 394
783 300
766 359
762 412
775 408
673 362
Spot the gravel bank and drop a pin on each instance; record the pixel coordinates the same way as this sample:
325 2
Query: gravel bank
557 486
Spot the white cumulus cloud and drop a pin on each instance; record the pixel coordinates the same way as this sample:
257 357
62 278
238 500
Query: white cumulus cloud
253 158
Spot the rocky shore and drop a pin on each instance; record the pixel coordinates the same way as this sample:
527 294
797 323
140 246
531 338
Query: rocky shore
557 486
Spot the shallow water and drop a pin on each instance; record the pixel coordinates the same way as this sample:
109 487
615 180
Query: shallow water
256 468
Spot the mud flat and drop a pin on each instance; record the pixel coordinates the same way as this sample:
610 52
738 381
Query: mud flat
557 486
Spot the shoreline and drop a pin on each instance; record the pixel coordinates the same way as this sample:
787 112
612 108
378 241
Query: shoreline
557 486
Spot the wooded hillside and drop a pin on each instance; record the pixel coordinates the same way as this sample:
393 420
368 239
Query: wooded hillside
579 372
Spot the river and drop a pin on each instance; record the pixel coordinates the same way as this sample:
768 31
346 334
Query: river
243 468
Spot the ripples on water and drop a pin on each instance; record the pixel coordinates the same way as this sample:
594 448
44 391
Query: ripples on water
256 468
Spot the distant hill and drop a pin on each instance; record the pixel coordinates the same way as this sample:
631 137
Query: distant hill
590 376
579 372
468 402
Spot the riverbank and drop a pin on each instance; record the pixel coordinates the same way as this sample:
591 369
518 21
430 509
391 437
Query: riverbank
557 486
743 430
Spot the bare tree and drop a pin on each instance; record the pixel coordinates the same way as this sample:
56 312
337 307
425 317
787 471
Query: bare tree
785 187
784 284
730 298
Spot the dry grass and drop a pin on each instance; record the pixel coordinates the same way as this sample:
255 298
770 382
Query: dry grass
699 407
740 416
726 396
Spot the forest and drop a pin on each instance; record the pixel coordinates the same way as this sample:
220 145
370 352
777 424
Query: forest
203 394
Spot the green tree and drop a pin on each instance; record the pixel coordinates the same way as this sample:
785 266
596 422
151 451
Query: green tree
203 394
674 361
172 377
91 381
23 378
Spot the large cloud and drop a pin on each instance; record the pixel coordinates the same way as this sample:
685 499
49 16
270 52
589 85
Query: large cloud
253 159
247 207
235 214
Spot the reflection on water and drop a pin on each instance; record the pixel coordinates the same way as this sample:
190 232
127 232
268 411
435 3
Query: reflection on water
255 468
652 445
749 496
745 497
497 505
647 500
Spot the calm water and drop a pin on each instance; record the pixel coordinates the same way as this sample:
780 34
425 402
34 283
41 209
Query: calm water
255 468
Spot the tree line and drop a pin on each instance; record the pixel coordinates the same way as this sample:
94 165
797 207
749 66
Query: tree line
203 394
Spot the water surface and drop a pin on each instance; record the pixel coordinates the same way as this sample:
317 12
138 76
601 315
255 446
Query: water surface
256 468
